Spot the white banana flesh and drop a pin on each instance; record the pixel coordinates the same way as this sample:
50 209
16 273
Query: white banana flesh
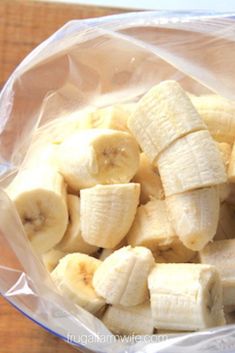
185 297
122 277
73 278
219 115
113 117
39 195
134 320
72 240
149 179
221 254
152 227
164 114
51 258
98 156
191 162
194 216
107 213
226 225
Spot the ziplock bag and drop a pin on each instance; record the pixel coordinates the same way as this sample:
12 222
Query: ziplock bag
89 64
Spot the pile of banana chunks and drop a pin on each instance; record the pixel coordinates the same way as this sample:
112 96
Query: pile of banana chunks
131 210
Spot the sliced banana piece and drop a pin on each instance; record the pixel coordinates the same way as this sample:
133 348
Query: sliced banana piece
164 114
51 258
122 277
194 216
185 297
149 179
72 240
39 194
151 227
113 117
98 156
73 278
107 213
226 225
191 162
221 254
219 115
134 320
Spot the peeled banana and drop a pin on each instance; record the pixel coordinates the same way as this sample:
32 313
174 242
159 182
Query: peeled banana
194 216
191 162
221 254
185 297
73 278
131 320
163 114
122 277
98 156
107 212
153 229
39 195
149 179
219 115
72 240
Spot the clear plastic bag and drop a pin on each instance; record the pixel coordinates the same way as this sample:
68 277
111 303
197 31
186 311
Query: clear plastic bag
93 63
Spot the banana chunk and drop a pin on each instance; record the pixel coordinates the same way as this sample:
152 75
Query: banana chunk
149 179
122 277
73 241
51 258
107 213
153 229
226 225
98 156
191 162
164 114
185 297
39 195
219 115
221 254
113 117
73 278
134 320
194 216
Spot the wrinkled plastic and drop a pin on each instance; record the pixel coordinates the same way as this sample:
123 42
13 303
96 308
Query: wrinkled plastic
87 64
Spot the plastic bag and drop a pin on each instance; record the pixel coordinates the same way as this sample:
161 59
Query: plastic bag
93 63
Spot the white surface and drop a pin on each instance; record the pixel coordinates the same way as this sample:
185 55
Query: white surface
216 5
